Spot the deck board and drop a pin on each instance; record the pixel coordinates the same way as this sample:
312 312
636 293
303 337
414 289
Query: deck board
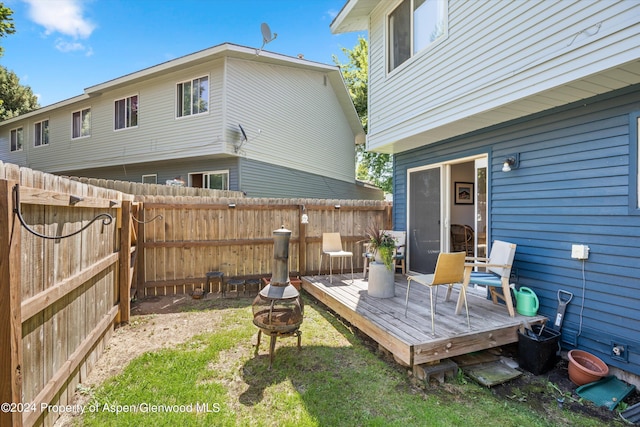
409 337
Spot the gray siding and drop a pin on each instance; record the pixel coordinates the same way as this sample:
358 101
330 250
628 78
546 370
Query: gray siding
268 180
158 136
572 187
298 113
165 170
256 179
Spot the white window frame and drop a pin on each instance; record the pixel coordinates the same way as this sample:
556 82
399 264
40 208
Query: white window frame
128 112
206 182
151 175
40 137
440 33
16 142
83 112
180 111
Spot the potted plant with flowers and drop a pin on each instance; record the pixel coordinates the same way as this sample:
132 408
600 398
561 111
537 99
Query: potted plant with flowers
381 245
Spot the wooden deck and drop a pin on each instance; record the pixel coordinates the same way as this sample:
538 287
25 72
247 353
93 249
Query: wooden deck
409 338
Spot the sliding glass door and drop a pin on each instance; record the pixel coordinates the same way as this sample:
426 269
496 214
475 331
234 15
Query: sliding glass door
424 218
432 205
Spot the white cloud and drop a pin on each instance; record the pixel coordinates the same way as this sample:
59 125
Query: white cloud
65 46
62 16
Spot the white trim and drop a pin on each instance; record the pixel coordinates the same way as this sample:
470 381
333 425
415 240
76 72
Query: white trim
90 123
34 133
137 94
445 198
10 135
155 175
216 172
175 94
444 4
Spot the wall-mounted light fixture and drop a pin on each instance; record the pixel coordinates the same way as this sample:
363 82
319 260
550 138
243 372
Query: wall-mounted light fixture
304 218
512 161
336 206
232 205
74 199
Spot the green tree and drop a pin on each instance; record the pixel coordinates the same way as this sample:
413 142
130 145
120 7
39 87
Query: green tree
373 167
6 23
15 99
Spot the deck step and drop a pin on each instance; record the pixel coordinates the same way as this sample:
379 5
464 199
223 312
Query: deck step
439 371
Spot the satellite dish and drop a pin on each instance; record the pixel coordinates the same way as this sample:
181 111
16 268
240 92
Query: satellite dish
267 37
244 134
266 33
243 139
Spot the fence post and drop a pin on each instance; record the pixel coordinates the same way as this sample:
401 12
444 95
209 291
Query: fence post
302 246
10 315
125 262
388 217
140 270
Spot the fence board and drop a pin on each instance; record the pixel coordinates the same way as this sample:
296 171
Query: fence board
201 237
60 289
11 363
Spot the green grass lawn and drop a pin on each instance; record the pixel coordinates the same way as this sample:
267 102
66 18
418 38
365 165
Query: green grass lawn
336 380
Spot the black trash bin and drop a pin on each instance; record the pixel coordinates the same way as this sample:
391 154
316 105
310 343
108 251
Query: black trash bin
537 352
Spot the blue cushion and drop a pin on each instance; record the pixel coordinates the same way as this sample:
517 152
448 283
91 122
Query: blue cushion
487 279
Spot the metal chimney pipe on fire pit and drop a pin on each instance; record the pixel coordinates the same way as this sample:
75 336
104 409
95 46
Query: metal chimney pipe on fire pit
278 309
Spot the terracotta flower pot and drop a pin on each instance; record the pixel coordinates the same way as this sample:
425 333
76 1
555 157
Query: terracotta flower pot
585 368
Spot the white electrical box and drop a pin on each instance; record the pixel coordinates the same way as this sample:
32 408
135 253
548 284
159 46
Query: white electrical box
579 251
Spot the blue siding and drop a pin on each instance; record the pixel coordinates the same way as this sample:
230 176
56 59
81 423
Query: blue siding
572 187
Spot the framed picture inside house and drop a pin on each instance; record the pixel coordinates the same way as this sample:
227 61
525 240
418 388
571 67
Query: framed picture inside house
463 193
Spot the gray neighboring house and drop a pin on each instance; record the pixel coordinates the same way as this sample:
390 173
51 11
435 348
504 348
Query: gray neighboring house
225 118
456 88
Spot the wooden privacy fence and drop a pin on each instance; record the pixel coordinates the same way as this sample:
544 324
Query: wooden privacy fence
59 297
182 238
73 252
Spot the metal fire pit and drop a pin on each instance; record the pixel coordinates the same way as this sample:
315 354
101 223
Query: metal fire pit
278 309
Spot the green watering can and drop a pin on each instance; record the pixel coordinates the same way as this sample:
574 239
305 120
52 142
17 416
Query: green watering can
527 301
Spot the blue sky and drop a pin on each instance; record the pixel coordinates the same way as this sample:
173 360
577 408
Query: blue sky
63 46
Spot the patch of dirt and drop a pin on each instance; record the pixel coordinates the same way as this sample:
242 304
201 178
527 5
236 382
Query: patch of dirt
156 323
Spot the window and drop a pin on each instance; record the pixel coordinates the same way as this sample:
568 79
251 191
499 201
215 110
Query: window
217 180
412 26
150 179
126 112
41 133
193 97
81 123
17 138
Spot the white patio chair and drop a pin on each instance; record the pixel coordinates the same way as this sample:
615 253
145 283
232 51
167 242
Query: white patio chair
332 246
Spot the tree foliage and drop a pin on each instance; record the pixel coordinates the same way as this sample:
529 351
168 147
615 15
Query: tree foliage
6 23
373 167
15 99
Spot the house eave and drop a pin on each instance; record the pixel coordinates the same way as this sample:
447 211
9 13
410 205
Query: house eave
206 55
354 16
46 109
431 126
